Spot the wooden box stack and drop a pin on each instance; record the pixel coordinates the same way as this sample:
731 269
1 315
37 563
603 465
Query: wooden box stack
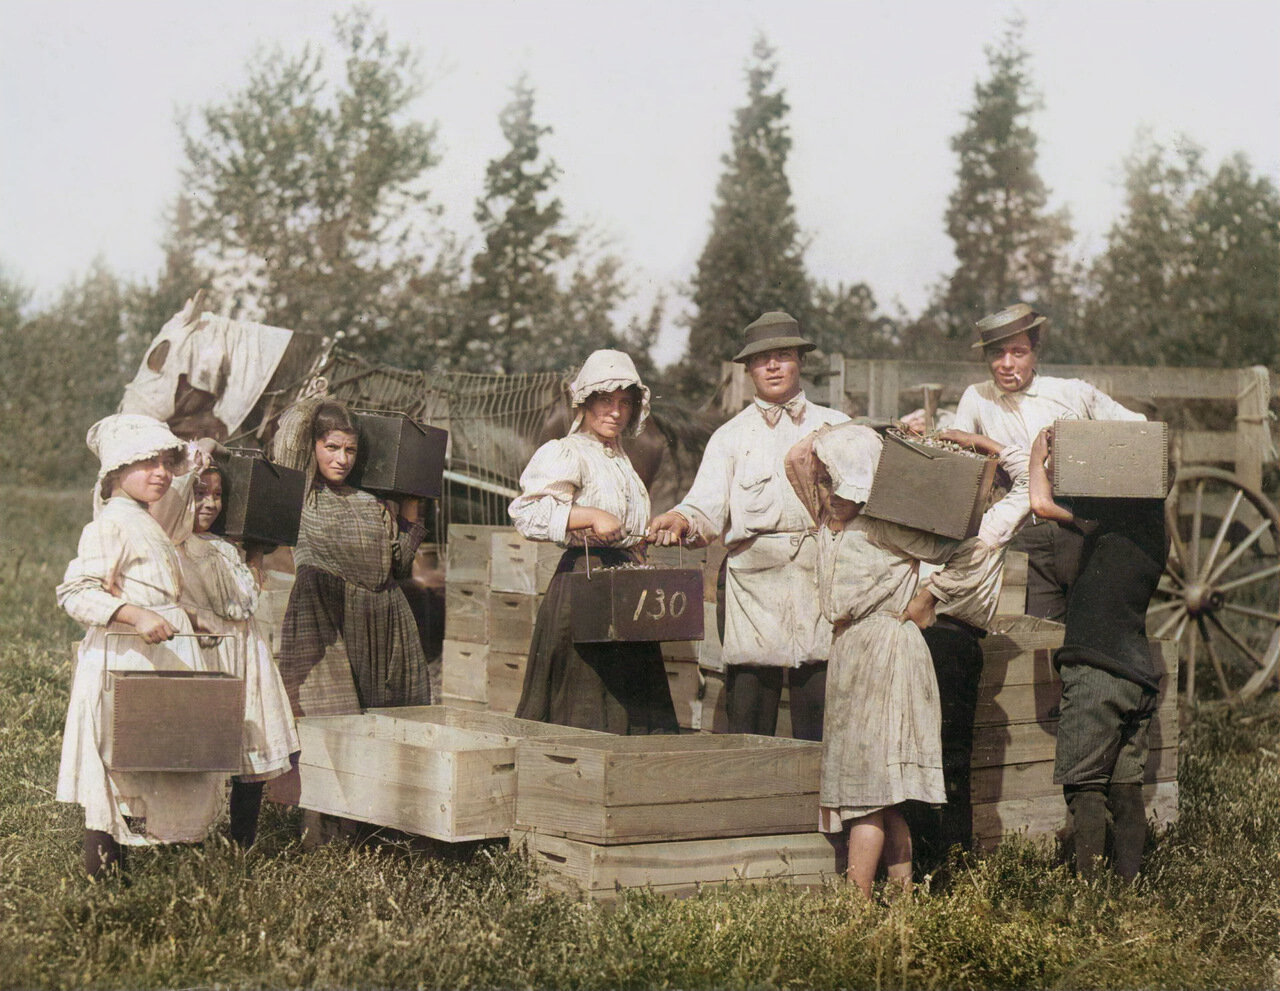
1013 586
1016 732
437 771
670 812
494 583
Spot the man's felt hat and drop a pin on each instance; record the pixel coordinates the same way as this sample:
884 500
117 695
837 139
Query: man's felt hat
774 329
1009 321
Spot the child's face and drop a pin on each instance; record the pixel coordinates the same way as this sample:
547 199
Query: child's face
208 500
336 456
146 481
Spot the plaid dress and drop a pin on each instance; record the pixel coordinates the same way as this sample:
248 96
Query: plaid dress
349 640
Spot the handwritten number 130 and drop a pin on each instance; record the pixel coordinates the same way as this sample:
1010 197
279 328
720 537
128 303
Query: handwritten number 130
661 606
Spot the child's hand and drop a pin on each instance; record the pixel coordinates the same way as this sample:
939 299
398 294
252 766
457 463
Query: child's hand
921 610
152 627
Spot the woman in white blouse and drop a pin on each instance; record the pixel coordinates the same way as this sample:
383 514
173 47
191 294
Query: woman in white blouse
581 492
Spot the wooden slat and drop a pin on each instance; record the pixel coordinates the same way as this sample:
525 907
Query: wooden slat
1045 818
505 680
519 565
679 867
685 685
1018 743
1035 779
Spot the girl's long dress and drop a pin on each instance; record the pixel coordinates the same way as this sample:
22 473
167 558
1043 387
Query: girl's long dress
882 732
220 590
125 556
614 687
349 640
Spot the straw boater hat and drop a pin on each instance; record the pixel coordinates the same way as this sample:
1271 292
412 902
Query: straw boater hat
604 371
772 330
124 438
1012 320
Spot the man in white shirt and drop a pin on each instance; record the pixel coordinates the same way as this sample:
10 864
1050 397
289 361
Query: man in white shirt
1013 408
741 494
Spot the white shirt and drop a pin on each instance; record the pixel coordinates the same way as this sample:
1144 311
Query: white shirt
1017 417
741 489
579 470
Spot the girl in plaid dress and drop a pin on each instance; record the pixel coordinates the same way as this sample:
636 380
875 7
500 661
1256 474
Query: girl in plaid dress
349 641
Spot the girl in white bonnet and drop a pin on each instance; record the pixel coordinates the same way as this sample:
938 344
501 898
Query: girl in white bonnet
123 587
582 492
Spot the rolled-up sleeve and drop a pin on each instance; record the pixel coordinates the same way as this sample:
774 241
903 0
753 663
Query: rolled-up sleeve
547 486
1005 518
86 589
706 506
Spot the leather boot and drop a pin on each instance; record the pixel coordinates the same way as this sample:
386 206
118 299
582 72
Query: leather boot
1129 829
1089 828
246 803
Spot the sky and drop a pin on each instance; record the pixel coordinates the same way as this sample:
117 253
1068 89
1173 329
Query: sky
640 98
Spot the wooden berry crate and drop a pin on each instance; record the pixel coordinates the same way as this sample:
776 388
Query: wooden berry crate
639 789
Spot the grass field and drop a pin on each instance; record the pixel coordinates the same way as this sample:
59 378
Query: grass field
1206 914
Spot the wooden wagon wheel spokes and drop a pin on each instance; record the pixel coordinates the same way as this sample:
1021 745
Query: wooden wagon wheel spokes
1220 593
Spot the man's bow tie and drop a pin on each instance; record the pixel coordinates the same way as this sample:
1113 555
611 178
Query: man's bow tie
772 412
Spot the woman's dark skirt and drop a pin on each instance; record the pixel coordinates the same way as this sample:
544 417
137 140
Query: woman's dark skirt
615 687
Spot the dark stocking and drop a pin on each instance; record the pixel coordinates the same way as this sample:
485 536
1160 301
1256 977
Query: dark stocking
1129 829
1089 827
101 853
246 802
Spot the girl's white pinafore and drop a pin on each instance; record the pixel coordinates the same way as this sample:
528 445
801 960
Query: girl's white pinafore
220 591
125 557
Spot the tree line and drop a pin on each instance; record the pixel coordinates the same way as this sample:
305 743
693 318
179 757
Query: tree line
306 203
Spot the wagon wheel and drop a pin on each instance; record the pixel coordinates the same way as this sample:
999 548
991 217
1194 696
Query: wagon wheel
1219 595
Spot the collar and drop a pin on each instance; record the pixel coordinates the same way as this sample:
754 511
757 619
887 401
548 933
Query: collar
772 412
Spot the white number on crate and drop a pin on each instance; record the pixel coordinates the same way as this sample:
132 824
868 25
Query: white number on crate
679 602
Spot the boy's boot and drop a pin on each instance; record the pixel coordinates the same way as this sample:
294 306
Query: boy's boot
1089 827
101 853
1129 829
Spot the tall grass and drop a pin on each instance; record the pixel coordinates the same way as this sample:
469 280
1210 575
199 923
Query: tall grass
1205 914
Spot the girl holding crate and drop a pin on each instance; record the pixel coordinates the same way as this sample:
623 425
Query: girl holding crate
220 594
123 586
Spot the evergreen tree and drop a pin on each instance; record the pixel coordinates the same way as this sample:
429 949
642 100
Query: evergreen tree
845 320
542 293
307 196
1189 273
753 260
1008 246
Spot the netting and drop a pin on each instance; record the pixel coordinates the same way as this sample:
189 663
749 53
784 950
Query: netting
494 422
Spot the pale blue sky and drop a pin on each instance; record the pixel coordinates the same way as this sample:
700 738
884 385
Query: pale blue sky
640 96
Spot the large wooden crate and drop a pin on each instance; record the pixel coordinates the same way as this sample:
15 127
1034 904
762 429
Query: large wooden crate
437 771
640 789
679 867
1015 736
1111 459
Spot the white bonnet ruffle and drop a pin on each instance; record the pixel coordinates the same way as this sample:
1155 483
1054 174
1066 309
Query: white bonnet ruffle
123 438
604 371
851 452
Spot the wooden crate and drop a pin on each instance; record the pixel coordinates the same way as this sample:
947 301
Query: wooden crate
709 647
512 616
1013 585
172 720
261 501
1044 820
639 789
399 456
437 771
1111 459
520 565
505 680
467 553
466 612
636 604
931 489
465 670
679 867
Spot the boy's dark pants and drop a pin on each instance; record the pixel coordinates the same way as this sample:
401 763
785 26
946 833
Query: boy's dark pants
1101 763
956 651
